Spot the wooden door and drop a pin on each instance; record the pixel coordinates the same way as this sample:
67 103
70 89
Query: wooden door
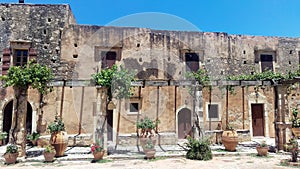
257 119
110 125
184 123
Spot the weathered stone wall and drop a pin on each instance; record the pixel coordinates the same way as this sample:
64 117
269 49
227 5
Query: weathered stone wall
72 51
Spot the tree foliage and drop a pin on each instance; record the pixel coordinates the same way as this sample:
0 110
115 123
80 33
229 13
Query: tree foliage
118 81
33 74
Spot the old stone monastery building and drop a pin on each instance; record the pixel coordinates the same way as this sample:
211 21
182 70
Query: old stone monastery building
160 60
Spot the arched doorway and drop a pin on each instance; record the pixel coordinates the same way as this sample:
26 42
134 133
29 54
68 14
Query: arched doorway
7 117
184 123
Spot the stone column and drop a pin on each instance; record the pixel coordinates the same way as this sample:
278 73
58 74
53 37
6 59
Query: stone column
100 117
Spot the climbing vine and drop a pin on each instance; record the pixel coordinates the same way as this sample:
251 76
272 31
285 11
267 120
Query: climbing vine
117 81
200 76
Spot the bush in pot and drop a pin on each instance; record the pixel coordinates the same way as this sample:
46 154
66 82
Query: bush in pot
3 137
11 154
59 138
295 123
33 138
262 149
146 128
97 150
49 153
230 138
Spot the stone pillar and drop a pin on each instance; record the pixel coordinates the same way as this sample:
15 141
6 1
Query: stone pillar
100 117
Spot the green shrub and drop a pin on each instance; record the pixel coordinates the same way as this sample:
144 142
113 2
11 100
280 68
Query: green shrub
198 149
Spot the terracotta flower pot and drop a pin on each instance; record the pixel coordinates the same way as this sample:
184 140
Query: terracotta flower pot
296 132
59 140
150 153
262 151
11 158
49 157
98 155
230 140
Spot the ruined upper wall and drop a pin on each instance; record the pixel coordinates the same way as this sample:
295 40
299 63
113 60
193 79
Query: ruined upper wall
73 50
42 25
158 54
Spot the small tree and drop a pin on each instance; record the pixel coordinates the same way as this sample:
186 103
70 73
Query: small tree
21 78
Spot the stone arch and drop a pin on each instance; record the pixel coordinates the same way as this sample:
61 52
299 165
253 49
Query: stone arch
7 112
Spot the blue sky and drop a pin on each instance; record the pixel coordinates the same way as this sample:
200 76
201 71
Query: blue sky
251 17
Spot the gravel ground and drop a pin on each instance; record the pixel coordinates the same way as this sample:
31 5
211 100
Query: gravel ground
227 162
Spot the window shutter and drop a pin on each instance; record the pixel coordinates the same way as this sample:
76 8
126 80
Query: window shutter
5 61
32 55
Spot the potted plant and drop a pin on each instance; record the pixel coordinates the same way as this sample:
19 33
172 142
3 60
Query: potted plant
59 138
292 147
97 150
33 137
295 123
262 149
149 149
49 153
146 128
11 154
3 137
230 138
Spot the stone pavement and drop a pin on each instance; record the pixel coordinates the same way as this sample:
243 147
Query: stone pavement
134 152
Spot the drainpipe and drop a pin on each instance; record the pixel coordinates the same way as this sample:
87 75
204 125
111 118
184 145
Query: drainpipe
62 98
276 100
243 106
175 106
227 106
137 119
81 111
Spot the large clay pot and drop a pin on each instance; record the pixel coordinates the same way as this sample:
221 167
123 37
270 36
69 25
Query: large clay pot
296 132
262 151
98 155
230 140
150 153
11 158
59 140
49 157
143 141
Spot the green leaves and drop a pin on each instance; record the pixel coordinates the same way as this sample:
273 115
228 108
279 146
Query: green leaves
201 76
266 75
147 123
57 125
33 74
117 81
198 149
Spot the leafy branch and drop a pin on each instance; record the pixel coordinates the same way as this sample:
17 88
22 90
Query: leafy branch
118 81
33 74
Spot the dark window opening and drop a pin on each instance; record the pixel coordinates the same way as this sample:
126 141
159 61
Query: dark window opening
134 107
21 57
244 52
75 45
49 19
266 62
213 111
291 51
192 62
75 56
108 58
